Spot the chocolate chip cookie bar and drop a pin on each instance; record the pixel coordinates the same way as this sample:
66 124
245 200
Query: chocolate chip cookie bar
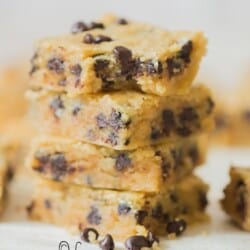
121 214
146 169
110 55
236 202
124 120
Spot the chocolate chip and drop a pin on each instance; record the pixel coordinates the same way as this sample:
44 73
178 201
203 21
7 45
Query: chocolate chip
211 105
203 200
177 63
116 122
165 167
193 153
47 204
183 131
76 110
149 67
76 69
155 134
240 201
152 238
188 114
176 227
90 39
89 235
122 162
157 211
58 165
140 215
101 121
107 243
122 21
79 27
56 64
94 217
168 120
177 156
124 57
112 139
56 104
100 65
96 25
173 197
123 209
137 242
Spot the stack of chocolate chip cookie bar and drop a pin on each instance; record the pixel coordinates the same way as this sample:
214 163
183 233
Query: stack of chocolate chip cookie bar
122 129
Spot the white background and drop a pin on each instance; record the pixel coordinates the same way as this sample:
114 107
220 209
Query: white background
225 22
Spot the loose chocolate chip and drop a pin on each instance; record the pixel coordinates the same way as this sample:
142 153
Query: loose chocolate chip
137 242
107 243
155 134
56 64
94 217
152 238
123 209
140 215
90 39
176 227
149 67
96 25
124 57
122 162
157 211
101 121
188 114
79 27
183 131
47 204
193 153
76 69
122 21
168 121
203 200
89 235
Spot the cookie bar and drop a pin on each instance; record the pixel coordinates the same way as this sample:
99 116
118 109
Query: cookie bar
124 120
236 202
146 169
110 55
121 214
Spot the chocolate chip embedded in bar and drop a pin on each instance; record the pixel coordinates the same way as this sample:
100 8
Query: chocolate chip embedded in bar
80 208
125 120
236 202
147 169
116 54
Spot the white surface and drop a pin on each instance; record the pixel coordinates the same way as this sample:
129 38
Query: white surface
219 234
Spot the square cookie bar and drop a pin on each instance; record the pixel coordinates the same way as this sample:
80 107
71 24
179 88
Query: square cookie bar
146 169
122 214
124 120
110 55
236 202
